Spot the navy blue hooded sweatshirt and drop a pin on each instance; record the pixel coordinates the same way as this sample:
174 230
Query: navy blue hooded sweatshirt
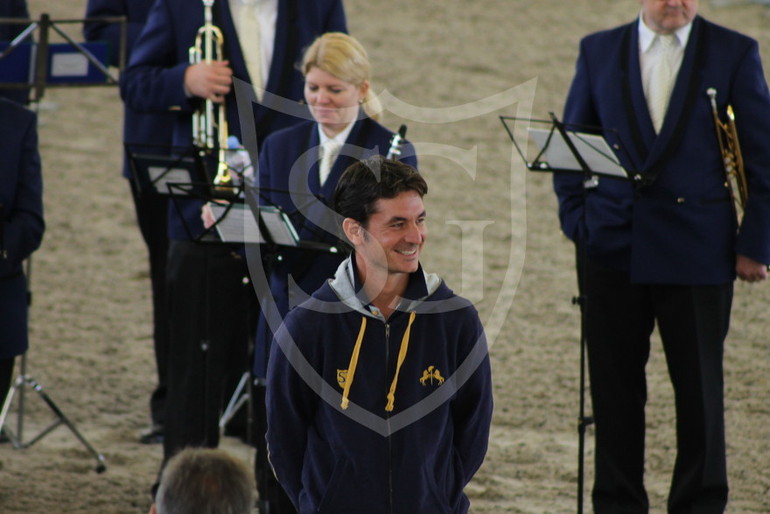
379 416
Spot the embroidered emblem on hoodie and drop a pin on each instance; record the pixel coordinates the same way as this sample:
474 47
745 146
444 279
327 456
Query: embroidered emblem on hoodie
431 376
342 376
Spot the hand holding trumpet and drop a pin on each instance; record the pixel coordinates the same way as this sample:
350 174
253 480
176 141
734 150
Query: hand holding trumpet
209 80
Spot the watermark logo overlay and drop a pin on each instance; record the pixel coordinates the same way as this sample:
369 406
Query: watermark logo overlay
517 102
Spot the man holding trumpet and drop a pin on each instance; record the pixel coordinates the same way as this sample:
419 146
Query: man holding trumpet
260 41
666 249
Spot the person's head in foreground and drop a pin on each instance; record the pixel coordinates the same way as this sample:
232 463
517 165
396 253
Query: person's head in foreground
204 481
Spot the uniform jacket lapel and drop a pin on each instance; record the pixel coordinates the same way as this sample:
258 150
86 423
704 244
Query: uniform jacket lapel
314 160
639 134
281 68
232 49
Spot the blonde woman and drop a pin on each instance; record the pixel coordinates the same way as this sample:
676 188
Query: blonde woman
293 170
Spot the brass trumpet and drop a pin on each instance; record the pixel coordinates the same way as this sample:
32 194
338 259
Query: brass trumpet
209 130
732 159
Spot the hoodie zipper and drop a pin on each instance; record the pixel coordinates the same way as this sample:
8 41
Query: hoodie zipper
387 417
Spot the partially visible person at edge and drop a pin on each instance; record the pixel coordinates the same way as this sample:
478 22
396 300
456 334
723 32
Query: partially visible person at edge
665 250
296 174
379 394
8 31
148 133
205 481
21 228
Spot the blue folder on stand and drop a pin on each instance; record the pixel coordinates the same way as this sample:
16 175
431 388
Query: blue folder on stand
68 65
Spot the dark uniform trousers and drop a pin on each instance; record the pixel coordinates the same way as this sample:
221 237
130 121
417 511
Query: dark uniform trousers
211 305
693 323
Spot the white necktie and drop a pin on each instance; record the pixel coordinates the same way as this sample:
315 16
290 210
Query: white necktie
662 79
329 152
247 24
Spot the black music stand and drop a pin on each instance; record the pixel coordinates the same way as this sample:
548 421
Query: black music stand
282 227
22 382
182 174
154 167
576 150
237 222
246 221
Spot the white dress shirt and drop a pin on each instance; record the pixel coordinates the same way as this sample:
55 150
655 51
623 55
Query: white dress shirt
256 35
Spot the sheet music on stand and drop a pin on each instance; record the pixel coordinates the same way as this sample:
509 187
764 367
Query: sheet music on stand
555 153
163 169
237 223
173 171
279 226
563 148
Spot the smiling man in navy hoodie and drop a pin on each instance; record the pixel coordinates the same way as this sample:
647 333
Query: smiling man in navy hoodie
379 391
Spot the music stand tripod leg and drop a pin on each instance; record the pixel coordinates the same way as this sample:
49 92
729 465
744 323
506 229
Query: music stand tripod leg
18 386
237 400
13 437
61 419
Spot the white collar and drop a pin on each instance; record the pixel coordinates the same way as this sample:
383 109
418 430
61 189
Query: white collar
647 35
339 138
265 3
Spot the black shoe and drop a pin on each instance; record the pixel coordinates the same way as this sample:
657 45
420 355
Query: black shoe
151 435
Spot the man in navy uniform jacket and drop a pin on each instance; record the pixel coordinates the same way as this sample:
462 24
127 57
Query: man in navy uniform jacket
8 31
209 291
665 249
21 228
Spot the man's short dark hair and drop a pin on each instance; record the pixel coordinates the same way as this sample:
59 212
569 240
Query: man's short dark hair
365 182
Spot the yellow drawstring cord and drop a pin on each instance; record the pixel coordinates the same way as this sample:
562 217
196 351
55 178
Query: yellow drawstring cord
401 358
352 365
